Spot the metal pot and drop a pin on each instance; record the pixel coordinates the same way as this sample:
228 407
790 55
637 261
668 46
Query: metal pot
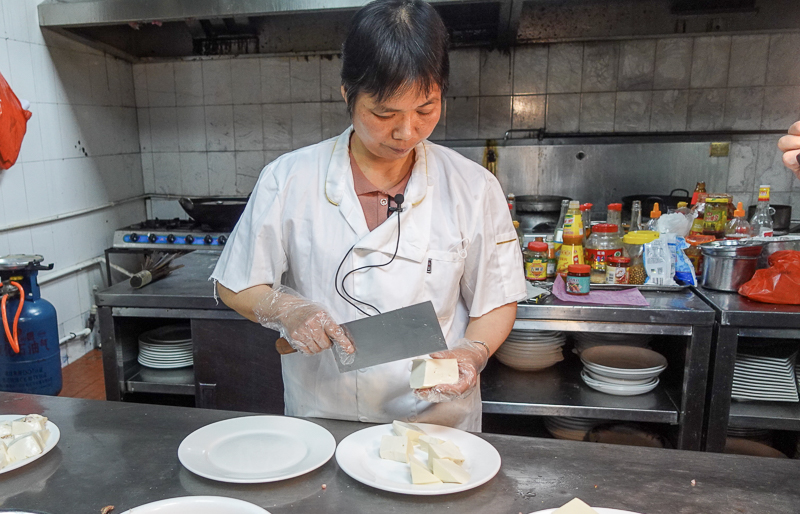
781 216
538 213
775 244
665 202
220 213
729 264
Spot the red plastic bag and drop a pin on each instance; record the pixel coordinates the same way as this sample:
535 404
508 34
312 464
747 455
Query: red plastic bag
13 124
780 283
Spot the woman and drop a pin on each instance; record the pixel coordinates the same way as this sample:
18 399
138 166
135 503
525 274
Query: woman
321 212
790 145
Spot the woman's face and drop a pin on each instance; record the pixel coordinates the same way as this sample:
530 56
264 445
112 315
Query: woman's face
391 129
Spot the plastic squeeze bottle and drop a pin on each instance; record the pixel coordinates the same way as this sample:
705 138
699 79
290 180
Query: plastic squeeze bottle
654 215
738 227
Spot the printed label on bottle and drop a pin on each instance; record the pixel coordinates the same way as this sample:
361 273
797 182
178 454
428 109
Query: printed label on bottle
597 258
765 232
763 194
573 225
616 275
536 270
578 285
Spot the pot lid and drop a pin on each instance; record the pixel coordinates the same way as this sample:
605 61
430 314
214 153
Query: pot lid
19 261
730 247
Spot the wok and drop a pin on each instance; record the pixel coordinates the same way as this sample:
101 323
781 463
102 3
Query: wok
665 202
219 213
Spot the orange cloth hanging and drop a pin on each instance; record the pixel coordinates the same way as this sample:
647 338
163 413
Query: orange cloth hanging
13 124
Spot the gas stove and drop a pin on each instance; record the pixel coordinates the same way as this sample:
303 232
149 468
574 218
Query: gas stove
175 235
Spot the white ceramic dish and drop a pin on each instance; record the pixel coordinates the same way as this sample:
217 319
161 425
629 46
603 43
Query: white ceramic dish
617 381
599 510
618 390
169 334
256 449
358 456
52 441
624 374
198 505
157 365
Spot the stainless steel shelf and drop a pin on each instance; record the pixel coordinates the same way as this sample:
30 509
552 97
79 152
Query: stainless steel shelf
152 384
559 391
769 415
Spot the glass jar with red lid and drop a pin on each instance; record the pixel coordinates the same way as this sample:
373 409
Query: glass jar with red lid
578 281
602 244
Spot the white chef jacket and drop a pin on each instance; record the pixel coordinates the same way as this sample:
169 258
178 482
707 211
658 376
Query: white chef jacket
458 248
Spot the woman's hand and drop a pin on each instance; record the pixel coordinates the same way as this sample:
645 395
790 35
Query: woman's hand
790 146
306 325
472 357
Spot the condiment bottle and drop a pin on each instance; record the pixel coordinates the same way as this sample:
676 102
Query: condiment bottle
586 214
699 208
573 222
617 270
693 252
716 216
558 237
614 217
536 261
571 253
602 244
738 227
520 236
512 205
633 246
683 209
761 222
552 261
699 188
654 215
636 217
577 281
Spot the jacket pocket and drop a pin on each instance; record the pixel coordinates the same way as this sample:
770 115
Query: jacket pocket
442 276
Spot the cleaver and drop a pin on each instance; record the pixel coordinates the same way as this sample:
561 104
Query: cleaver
392 336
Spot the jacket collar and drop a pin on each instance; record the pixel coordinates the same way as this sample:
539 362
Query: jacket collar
414 220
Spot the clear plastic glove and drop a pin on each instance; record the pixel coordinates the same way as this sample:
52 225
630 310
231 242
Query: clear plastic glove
790 146
306 325
472 358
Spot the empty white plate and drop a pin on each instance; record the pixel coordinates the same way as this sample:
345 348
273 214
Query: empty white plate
359 456
198 505
256 449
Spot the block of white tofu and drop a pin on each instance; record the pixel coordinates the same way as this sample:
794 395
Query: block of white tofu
449 472
446 450
396 447
425 441
404 429
25 446
5 460
575 506
433 372
420 474
5 429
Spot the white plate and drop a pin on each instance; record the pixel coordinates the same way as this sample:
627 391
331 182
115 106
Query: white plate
198 505
52 441
358 456
617 381
599 510
256 449
166 366
636 375
618 390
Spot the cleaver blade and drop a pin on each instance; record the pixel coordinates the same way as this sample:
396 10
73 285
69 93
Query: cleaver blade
392 336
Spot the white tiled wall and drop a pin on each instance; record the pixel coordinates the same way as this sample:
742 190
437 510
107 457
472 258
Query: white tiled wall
209 126
244 112
81 150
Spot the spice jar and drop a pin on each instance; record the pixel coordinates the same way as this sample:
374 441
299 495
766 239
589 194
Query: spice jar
693 252
617 270
633 248
536 261
578 279
602 244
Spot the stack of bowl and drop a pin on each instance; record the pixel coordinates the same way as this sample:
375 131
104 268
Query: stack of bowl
531 350
622 370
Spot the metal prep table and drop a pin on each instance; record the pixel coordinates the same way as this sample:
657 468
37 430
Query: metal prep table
559 391
125 455
235 362
738 317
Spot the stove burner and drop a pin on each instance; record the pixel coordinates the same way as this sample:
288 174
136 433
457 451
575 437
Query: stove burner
176 224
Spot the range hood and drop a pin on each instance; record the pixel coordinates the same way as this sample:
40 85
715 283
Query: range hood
136 29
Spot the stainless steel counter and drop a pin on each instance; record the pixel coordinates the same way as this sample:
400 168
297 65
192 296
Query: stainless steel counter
125 455
738 317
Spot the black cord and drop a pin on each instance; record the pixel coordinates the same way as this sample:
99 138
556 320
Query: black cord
347 296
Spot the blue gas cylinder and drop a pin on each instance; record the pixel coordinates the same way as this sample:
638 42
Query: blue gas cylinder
36 369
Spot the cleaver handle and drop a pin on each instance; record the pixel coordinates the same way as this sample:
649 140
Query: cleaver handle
283 346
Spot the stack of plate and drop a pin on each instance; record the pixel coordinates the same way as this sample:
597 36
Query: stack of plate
573 429
622 370
765 377
166 347
761 435
586 340
531 350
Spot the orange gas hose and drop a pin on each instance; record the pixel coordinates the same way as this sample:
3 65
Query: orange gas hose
13 340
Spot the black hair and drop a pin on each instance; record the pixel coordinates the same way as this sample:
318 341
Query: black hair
393 46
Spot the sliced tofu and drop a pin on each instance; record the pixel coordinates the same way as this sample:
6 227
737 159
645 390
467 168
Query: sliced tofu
425 441
26 446
5 459
420 474
433 372
396 447
5 430
446 450
449 472
575 506
404 429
